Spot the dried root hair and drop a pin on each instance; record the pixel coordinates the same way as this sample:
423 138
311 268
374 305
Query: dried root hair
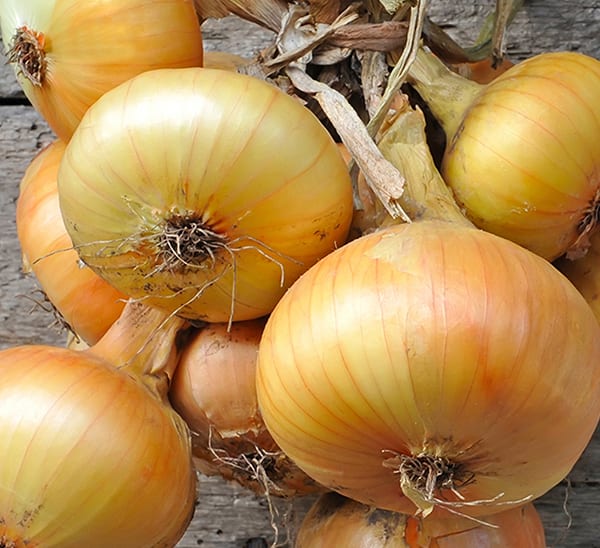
430 475
184 243
27 52
260 466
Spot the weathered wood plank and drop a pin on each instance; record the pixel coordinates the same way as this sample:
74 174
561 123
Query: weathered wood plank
540 25
22 134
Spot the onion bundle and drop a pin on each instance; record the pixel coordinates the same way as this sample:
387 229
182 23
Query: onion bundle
522 156
66 54
418 368
203 192
93 454
423 368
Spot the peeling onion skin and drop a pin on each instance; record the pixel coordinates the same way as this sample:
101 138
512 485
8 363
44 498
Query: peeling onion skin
334 520
90 458
87 303
436 339
228 153
90 47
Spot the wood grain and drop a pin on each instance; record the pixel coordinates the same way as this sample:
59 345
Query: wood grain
227 515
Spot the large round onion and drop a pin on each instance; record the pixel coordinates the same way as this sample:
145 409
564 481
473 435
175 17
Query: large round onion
432 366
203 192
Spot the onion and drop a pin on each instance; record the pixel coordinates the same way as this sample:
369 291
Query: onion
484 71
423 368
584 273
67 53
334 520
522 157
203 192
214 391
87 303
224 60
92 453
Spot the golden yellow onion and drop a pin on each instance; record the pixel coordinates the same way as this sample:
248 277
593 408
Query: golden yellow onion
87 303
203 192
334 520
67 53
522 155
425 366
214 391
92 454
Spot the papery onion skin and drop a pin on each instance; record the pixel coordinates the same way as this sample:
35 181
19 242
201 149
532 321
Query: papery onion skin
432 339
522 158
212 149
87 303
214 391
90 47
334 520
90 458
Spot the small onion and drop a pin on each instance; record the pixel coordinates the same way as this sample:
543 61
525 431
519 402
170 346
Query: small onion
214 391
224 60
584 273
203 192
424 367
67 53
484 71
334 520
92 454
522 156
87 303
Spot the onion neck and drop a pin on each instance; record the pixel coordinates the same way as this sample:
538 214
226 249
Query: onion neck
446 93
146 343
426 196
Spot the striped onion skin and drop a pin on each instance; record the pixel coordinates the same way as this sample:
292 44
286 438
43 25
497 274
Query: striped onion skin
523 158
203 191
91 458
426 344
66 53
87 304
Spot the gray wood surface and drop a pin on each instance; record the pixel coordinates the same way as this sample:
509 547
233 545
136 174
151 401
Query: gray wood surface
227 515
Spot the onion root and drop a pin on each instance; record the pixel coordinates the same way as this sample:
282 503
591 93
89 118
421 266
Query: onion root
27 51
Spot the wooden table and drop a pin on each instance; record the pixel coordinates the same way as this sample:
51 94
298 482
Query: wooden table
227 515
